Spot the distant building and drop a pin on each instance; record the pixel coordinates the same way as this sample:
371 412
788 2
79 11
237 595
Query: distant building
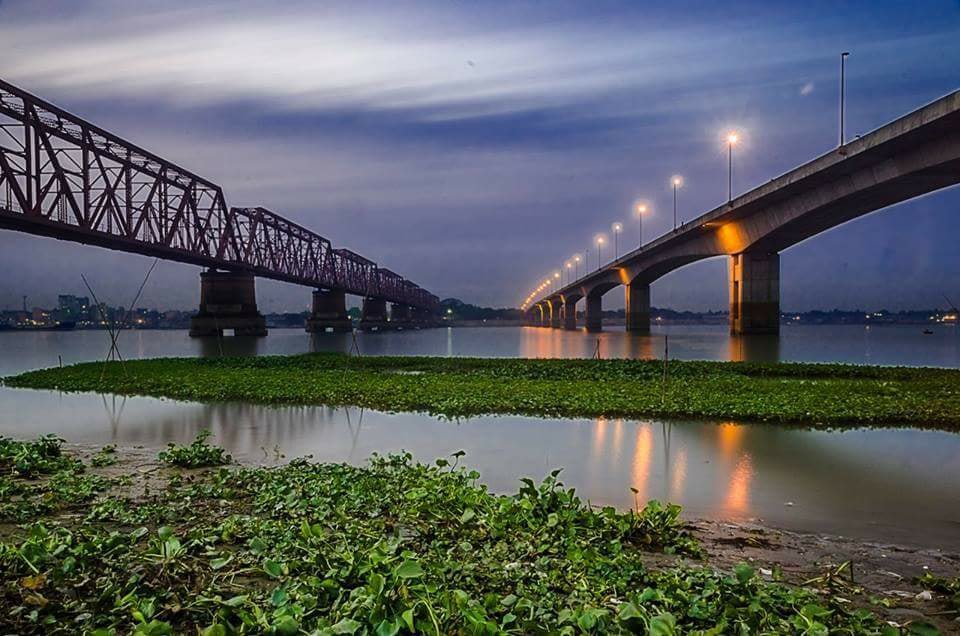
71 308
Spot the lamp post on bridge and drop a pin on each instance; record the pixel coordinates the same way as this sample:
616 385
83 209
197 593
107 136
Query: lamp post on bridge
576 265
569 267
617 228
676 181
599 250
640 210
556 281
732 139
843 94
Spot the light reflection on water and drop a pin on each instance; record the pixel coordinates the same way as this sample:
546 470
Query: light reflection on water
894 484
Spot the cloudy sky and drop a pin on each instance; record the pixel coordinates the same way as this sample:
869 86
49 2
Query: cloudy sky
474 146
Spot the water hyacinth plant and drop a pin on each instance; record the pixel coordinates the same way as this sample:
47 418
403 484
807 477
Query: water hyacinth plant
827 395
393 547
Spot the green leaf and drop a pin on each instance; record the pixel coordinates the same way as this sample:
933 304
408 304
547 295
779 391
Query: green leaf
289 626
217 564
273 568
258 546
409 569
388 628
235 601
346 626
663 625
407 617
467 515
628 611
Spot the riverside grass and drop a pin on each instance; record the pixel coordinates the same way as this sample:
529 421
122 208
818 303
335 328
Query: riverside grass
827 395
393 547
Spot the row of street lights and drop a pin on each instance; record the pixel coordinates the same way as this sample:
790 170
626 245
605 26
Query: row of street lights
732 138
640 209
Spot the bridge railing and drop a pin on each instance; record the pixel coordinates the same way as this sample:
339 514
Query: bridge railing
64 177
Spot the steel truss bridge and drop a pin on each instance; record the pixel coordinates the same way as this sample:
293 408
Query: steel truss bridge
63 177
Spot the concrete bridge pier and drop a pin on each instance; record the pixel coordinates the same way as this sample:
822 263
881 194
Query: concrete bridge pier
329 312
401 316
373 314
638 307
594 312
228 301
755 293
570 314
556 319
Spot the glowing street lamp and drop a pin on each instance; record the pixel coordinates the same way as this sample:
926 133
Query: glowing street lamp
732 139
569 267
600 242
640 209
676 181
556 278
617 228
576 265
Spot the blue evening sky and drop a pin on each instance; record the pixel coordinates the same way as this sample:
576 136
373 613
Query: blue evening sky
473 146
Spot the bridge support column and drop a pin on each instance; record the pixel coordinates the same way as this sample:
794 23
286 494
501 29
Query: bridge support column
556 317
329 312
400 316
373 315
570 315
755 293
594 313
228 301
638 307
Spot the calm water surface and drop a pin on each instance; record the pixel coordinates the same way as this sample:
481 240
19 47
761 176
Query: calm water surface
883 484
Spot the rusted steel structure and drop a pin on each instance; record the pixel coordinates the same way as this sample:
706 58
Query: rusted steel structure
63 177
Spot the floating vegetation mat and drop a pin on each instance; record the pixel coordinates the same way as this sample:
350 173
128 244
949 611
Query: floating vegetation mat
809 394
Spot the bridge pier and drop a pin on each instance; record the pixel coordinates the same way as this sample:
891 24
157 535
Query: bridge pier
594 312
401 316
556 319
755 293
570 314
228 300
373 314
638 307
329 312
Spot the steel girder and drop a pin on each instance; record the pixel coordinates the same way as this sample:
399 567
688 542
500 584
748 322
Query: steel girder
63 177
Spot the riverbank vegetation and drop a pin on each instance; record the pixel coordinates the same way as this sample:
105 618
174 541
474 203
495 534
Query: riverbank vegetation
811 394
394 547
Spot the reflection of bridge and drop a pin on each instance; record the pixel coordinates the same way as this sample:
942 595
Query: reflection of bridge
912 156
63 177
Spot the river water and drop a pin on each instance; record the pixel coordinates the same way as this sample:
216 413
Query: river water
885 484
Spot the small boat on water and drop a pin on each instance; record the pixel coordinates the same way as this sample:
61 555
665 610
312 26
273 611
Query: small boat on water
928 332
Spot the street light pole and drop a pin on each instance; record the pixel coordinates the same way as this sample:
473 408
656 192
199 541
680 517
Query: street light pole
641 208
616 227
729 172
843 94
732 139
677 182
674 205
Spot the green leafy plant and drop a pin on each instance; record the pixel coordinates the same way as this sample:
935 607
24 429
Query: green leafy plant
199 454
106 456
393 547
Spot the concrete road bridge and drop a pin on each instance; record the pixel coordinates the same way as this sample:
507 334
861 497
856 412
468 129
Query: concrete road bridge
66 178
917 154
